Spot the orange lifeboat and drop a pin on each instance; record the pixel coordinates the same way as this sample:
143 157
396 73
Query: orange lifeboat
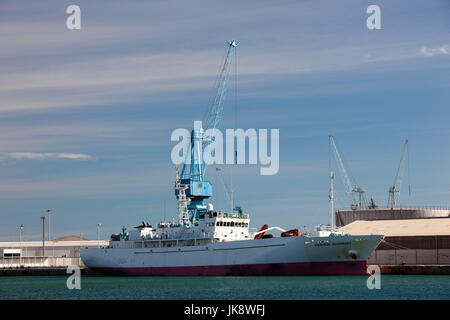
260 235
290 233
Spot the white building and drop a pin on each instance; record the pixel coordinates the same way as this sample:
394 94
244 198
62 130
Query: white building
60 252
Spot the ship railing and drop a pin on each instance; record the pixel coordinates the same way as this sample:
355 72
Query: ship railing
424 207
232 215
326 227
172 242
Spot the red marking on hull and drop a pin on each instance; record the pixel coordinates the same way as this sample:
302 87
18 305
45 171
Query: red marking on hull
271 269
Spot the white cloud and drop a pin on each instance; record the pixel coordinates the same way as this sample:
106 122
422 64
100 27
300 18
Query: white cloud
47 156
104 81
429 52
90 67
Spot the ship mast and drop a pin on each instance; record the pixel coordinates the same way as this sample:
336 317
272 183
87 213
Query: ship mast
331 196
183 215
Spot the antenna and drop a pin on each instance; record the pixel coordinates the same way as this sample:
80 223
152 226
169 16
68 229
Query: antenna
164 210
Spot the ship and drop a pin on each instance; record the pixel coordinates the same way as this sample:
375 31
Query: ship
204 242
221 244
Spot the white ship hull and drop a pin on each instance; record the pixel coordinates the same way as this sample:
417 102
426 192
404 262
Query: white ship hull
334 255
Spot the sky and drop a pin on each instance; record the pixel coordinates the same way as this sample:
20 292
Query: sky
86 115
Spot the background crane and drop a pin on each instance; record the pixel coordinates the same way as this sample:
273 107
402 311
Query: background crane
394 190
350 187
192 174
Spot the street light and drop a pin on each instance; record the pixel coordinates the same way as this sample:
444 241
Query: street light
43 235
98 234
20 239
49 229
21 233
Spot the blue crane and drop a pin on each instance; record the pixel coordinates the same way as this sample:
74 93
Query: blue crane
192 174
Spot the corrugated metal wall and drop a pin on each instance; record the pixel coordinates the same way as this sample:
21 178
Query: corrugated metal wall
431 250
416 242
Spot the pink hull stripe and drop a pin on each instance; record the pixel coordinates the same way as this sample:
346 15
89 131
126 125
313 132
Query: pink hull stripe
271 269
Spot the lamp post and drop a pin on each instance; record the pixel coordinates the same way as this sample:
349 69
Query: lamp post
20 239
49 229
43 235
98 234
21 233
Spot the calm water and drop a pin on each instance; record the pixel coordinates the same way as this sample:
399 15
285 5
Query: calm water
233 288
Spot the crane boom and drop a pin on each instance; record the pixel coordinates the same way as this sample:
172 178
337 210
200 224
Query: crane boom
394 190
215 112
199 141
350 188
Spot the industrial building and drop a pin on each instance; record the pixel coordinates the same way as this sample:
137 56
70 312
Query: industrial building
414 237
61 252
407 241
344 217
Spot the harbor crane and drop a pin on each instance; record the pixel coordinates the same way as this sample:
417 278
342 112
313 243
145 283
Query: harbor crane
193 173
350 188
394 190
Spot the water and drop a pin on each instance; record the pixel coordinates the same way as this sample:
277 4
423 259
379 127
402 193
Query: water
226 288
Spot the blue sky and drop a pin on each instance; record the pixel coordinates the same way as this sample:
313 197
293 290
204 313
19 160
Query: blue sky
113 91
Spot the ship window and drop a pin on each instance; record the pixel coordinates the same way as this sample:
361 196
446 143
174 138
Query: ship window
232 224
228 223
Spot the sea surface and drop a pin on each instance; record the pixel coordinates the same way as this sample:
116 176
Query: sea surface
436 287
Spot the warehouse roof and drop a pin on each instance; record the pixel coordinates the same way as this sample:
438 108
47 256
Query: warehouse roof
81 243
400 228
70 238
